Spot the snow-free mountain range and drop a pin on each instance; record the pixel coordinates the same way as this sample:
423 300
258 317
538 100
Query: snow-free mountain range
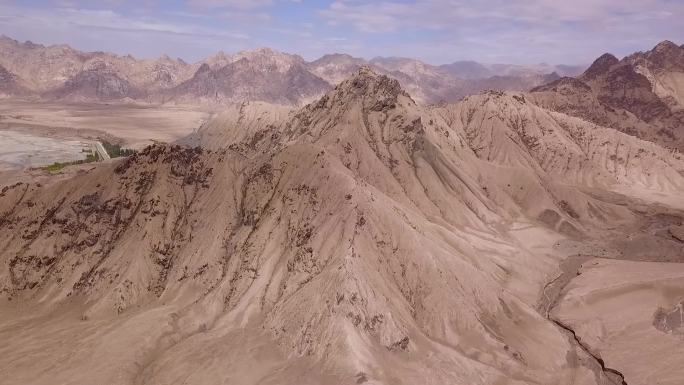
63 73
641 94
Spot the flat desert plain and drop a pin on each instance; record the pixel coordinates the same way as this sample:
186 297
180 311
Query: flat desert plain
20 150
134 125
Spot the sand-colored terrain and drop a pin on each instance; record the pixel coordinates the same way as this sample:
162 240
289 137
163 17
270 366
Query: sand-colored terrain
20 150
360 239
630 313
135 125
36 133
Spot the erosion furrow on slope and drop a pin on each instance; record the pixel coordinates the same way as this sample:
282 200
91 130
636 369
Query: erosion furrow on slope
551 294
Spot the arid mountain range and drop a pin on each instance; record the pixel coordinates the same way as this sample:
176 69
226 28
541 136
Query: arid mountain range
63 73
642 94
362 238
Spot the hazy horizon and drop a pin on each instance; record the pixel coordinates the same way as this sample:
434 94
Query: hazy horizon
434 31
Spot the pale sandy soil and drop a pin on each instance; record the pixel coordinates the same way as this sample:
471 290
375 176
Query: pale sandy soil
34 134
135 125
20 150
630 314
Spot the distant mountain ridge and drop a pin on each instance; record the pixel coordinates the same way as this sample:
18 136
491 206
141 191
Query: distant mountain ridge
642 94
63 73
262 75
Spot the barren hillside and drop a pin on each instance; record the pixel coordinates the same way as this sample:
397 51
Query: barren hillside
639 95
360 239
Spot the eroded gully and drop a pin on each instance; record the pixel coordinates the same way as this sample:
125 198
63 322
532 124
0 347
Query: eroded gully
551 294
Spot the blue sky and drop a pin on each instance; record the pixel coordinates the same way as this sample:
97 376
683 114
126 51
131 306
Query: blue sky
437 31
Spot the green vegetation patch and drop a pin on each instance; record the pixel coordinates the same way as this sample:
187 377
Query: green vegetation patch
57 166
115 150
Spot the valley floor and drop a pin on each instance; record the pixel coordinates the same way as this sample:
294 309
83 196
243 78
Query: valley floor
136 125
37 133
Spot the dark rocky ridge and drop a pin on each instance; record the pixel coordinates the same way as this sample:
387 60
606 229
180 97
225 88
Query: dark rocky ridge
639 94
600 66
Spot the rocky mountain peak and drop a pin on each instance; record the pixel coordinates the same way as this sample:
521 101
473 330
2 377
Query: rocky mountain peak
363 92
666 46
640 95
600 66
335 68
202 69
335 58
366 71
382 90
268 59
218 60
664 56
564 85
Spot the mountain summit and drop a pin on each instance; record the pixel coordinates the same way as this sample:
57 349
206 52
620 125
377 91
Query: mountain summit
600 66
380 91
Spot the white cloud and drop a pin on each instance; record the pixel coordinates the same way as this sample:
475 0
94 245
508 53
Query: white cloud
65 18
516 30
387 16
